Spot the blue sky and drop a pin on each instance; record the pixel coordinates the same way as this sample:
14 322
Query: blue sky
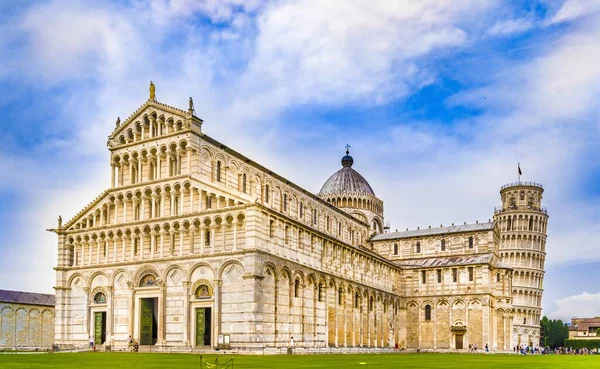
439 101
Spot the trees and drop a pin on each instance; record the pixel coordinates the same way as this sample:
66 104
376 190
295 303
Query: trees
553 332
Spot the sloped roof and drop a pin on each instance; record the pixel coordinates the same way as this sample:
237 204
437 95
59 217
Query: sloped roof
27 298
446 261
434 231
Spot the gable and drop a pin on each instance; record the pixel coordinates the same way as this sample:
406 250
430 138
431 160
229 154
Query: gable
150 121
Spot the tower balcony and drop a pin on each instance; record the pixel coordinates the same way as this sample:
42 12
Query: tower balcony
522 184
500 210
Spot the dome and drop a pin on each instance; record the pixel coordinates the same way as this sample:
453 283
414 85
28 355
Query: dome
346 181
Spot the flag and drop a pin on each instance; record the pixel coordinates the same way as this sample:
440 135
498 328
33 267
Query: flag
519 167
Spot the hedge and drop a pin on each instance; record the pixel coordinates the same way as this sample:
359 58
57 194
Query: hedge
586 343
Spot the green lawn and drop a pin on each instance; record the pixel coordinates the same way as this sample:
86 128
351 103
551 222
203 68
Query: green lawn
90 360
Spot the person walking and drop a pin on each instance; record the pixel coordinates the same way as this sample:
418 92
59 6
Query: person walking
91 342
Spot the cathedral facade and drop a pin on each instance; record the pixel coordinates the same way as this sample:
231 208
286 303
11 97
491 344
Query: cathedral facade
196 245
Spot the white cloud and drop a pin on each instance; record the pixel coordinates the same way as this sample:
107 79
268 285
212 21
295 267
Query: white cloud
510 27
574 9
585 305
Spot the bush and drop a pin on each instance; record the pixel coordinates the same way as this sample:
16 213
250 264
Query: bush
579 344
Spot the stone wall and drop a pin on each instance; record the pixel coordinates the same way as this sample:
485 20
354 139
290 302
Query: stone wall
26 326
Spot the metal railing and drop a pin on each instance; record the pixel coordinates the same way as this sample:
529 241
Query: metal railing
498 210
531 184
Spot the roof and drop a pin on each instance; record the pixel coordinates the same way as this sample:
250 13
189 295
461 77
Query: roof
27 298
437 262
346 181
434 231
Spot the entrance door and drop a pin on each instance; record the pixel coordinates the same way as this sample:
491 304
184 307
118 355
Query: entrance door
203 326
148 324
100 328
459 341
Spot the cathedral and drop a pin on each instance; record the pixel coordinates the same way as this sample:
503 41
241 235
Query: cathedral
195 245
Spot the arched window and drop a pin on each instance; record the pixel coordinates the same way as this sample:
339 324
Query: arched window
72 255
285 202
271 227
266 193
356 300
207 238
530 203
203 292
443 245
470 242
301 210
509 224
219 171
531 224
244 183
327 222
371 303
418 247
395 249
297 288
427 312
320 292
148 281
522 195
315 217
100 298
340 296
498 277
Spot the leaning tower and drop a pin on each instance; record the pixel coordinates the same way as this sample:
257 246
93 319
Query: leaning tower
522 223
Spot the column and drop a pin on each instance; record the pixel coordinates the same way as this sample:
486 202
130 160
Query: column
141 246
217 294
192 231
172 211
87 310
181 241
139 173
153 209
109 315
142 208
186 312
158 174
162 243
131 310
213 230
114 249
101 215
123 248
202 238
130 171
112 175
189 161
152 243
132 244
180 202
116 215
178 163
161 313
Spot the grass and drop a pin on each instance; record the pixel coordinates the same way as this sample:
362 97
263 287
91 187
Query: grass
90 360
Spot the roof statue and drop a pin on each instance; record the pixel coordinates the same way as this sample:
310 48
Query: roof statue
191 106
118 122
59 222
152 91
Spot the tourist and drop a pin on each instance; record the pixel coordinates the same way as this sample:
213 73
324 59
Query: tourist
91 342
487 349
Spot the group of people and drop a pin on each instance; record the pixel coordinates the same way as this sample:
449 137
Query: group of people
570 351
